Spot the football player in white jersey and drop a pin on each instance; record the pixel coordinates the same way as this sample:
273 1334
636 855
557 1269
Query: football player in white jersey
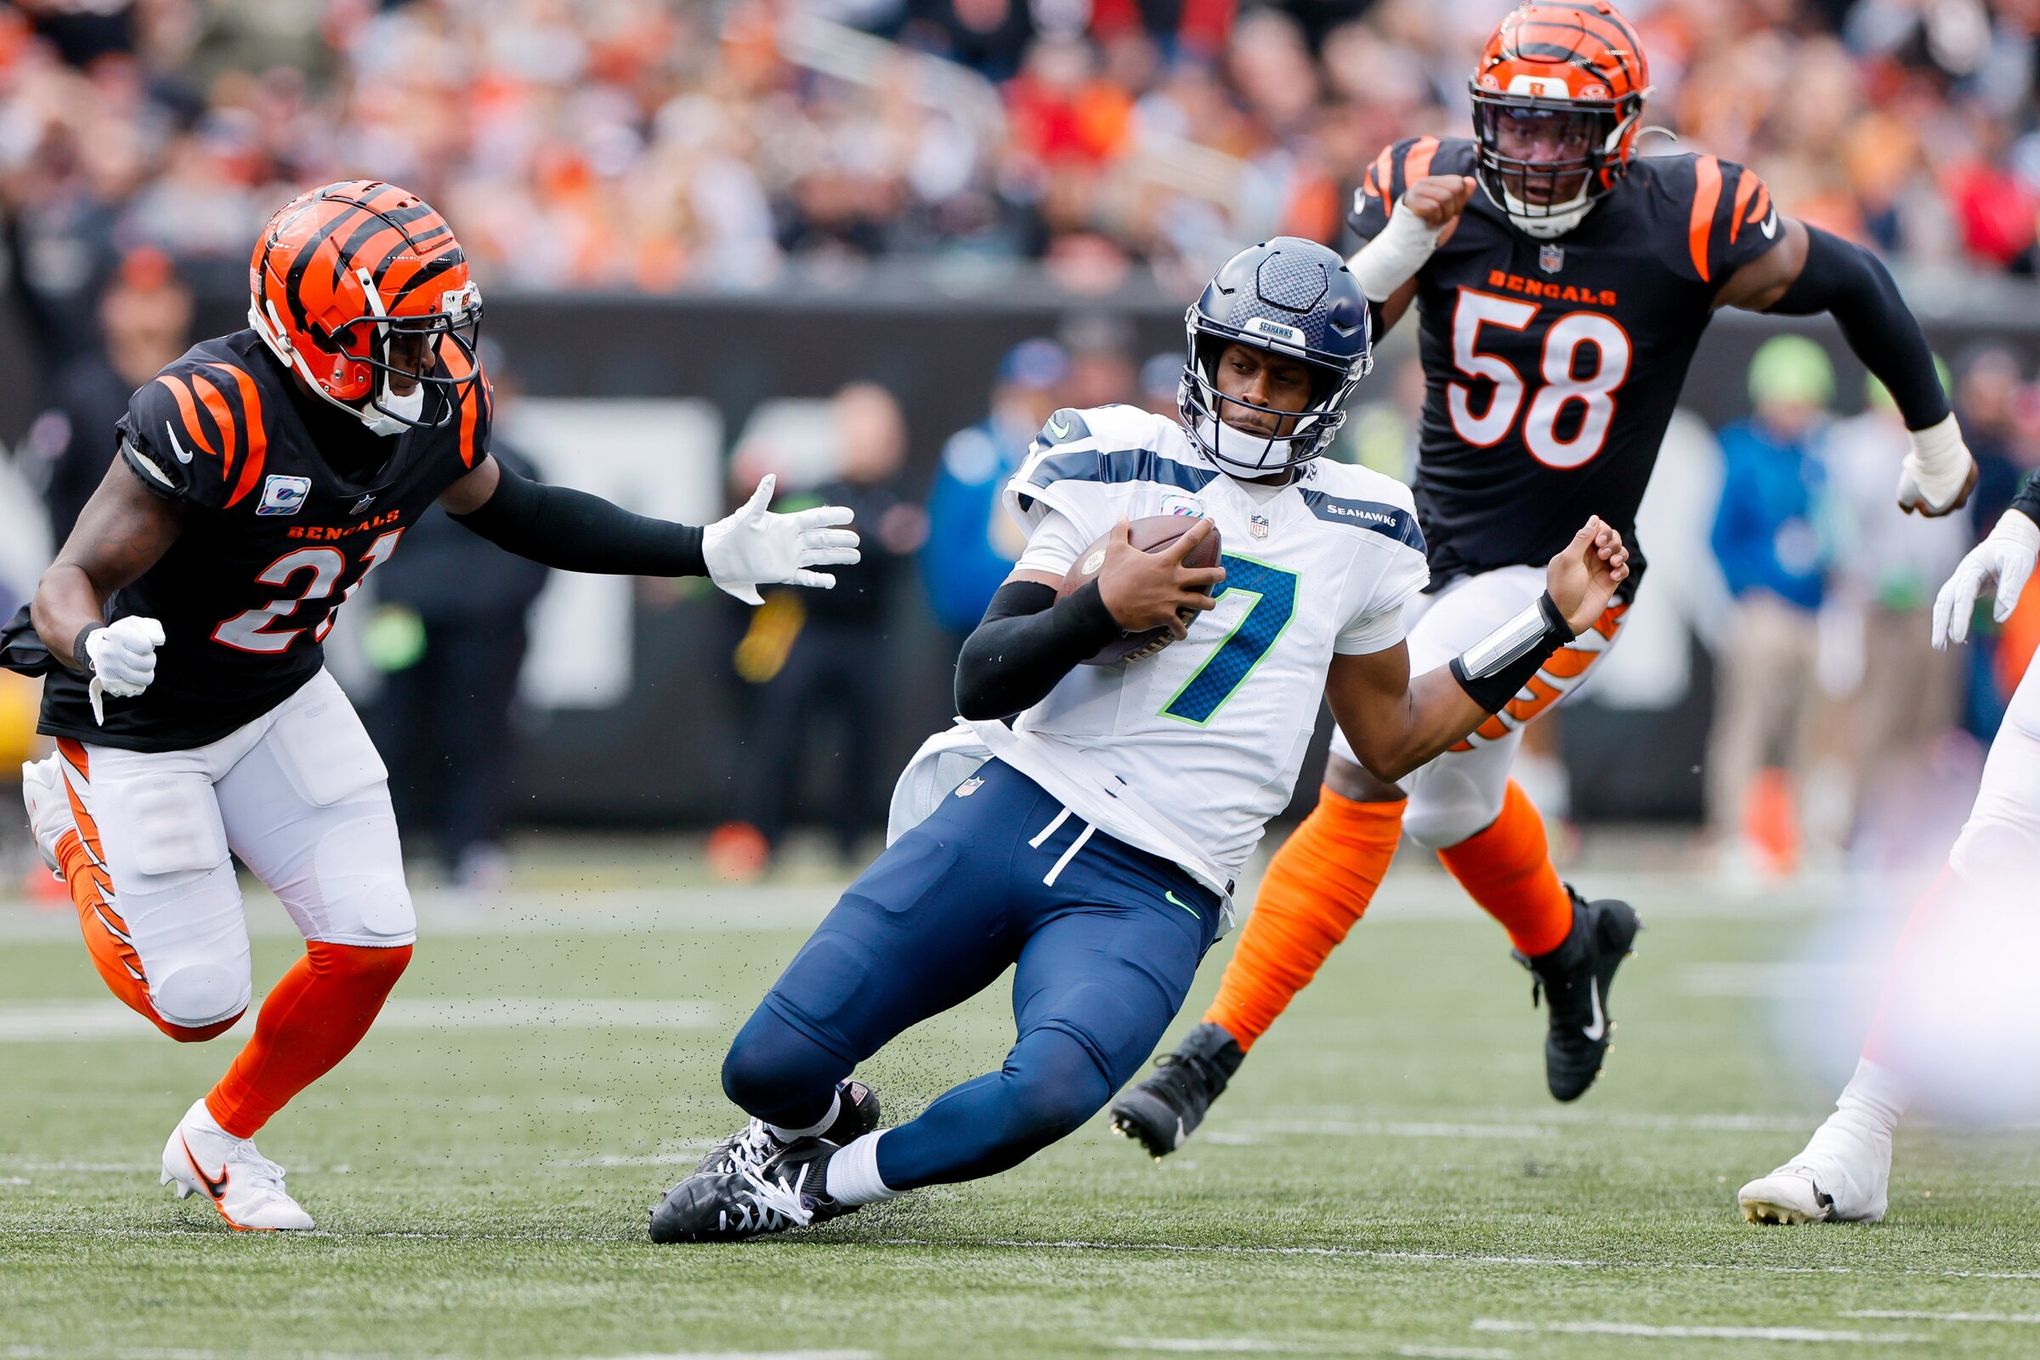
1941 1000
1093 846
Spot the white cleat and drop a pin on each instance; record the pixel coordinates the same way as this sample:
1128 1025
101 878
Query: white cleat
201 1158
1842 1177
49 808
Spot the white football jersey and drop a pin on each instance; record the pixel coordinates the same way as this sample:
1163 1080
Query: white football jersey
1189 752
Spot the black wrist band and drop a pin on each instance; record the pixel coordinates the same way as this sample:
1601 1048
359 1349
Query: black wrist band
1495 669
78 652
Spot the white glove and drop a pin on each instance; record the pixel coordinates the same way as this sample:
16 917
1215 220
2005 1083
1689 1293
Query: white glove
2006 557
123 660
1935 470
756 547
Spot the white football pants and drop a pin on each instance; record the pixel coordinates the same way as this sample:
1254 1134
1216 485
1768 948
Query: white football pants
299 794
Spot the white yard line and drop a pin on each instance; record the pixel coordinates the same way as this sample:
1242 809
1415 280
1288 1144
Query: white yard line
1814 1334
1918 1315
41 1022
744 1355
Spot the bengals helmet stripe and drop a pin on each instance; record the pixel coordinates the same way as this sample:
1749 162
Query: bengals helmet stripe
342 270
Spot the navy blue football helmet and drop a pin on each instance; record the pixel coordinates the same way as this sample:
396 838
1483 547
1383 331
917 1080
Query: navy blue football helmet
1291 297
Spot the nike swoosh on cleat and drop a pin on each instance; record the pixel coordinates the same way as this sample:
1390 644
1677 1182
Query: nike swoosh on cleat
1177 901
1600 1025
215 1188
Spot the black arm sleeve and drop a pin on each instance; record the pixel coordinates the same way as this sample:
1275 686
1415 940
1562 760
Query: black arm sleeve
575 531
1027 641
1853 286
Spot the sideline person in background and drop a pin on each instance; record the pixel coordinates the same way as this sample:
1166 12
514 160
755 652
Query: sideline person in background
825 659
971 545
1770 542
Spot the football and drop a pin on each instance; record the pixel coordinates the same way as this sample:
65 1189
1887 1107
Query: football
1150 534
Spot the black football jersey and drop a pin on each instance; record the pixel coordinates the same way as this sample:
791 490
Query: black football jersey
1551 368
275 538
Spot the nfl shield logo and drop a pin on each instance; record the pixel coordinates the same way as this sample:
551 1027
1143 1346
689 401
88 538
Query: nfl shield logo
362 504
1551 258
1258 526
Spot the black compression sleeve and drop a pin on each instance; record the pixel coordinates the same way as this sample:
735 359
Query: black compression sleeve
1027 642
1853 286
574 531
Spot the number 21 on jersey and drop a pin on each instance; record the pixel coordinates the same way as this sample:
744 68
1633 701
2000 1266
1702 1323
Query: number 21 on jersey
1559 381
321 570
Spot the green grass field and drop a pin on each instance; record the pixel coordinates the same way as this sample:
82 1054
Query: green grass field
1386 1178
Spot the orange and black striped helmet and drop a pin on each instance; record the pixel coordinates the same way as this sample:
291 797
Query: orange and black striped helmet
356 283
1568 78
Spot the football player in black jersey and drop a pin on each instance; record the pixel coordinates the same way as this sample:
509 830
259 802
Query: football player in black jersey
257 480
1562 286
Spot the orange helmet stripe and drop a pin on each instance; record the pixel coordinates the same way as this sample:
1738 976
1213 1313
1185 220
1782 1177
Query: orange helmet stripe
258 433
188 411
1706 194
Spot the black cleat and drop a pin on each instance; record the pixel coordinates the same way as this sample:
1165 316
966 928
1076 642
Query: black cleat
731 1206
754 1145
1162 1112
1574 980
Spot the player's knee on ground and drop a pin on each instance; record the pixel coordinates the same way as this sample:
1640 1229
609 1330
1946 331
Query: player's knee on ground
1448 804
777 1073
196 1001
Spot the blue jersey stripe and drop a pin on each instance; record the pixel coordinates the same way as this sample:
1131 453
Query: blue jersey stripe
1123 465
1388 520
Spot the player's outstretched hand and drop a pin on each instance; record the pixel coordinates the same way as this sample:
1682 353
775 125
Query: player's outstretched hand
1583 577
1439 200
755 546
2006 559
1144 590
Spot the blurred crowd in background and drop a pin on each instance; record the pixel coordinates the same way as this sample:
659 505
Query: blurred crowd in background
632 145
662 144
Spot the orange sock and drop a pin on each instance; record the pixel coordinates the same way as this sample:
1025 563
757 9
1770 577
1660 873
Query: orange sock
309 1021
106 934
1317 886
1507 869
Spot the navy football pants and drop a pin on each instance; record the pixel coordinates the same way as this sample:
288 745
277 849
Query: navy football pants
1102 955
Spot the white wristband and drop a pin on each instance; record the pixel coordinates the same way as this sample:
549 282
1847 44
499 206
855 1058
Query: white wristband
1938 462
1393 258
